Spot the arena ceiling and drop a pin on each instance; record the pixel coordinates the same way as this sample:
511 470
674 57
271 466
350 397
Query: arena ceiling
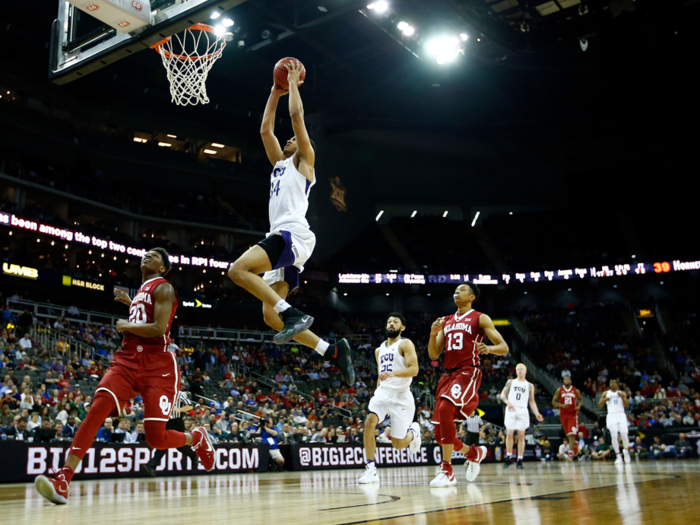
522 80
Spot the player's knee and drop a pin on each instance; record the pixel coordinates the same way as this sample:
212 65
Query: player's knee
235 271
371 422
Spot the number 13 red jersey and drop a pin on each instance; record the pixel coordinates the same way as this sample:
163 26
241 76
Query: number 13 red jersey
142 311
461 330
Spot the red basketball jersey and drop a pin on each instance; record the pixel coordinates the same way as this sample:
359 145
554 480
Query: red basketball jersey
142 311
567 399
461 330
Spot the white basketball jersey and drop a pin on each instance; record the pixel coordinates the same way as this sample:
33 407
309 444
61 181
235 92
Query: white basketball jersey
519 393
390 360
289 199
614 402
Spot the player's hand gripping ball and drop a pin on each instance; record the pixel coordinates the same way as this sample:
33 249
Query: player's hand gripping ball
284 68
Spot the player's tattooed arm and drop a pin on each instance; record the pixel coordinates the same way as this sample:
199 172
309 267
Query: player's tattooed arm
555 399
504 394
437 338
164 296
500 347
533 404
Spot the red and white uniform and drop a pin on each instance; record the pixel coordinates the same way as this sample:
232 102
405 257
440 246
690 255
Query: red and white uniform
567 410
142 311
145 366
460 383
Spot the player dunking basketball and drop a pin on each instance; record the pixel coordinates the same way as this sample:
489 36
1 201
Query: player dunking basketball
145 366
461 335
282 254
568 400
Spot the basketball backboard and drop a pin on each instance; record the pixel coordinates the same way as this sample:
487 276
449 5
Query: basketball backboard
81 44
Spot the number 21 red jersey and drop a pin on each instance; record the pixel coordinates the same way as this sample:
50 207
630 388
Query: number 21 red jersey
567 399
461 330
142 311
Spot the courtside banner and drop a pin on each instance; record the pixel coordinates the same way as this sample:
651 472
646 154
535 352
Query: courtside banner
338 456
24 461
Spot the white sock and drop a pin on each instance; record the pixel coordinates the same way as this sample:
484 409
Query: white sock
322 346
520 458
282 305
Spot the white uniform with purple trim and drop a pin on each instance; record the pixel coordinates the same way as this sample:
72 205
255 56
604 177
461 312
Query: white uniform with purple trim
289 202
393 398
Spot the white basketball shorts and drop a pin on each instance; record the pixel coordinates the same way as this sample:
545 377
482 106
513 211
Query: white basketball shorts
617 423
298 249
398 405
518 419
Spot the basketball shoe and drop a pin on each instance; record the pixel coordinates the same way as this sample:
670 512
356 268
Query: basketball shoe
201 444
340 354
54 488
474 467
370 475
618 459
444 479
295 321
414 445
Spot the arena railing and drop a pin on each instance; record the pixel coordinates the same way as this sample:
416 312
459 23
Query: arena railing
52 311
551 383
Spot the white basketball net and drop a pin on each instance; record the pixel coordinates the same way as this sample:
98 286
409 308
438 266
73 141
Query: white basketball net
188 57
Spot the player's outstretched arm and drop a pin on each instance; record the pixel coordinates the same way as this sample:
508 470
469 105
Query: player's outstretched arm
267 128
307 156
533 404
437 338
164 296
500 347
555 399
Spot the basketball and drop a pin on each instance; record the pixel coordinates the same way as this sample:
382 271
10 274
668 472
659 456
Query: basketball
280 73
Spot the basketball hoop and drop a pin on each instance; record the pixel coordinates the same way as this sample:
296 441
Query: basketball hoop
188 57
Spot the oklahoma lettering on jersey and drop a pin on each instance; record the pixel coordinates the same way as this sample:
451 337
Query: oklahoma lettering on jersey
567 399
461 330
142 311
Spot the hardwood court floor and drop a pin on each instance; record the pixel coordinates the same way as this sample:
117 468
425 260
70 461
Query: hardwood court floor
552 493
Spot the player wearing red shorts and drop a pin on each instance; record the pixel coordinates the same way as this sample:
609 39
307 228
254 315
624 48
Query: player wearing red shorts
568 400
461 335
144 366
